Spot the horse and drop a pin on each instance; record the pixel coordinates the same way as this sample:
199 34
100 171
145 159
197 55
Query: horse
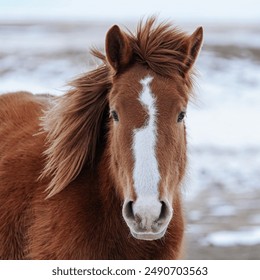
97 173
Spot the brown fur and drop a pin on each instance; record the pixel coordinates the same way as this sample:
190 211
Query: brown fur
77 157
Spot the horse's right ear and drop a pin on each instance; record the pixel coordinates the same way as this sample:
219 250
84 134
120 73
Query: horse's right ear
190 49
118 49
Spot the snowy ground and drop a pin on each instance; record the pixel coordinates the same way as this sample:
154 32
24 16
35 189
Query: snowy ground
222 190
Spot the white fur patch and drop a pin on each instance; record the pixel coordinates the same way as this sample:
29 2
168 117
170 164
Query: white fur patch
146 172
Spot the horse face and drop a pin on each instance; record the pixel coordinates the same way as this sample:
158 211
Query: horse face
147 137
148 148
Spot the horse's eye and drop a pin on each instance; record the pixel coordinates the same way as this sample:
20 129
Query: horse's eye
114 116
181 116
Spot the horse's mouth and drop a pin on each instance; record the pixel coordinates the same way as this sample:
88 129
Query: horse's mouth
149 236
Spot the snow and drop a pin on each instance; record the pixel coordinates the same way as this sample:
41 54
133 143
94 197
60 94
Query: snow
255 219
248 237
223 210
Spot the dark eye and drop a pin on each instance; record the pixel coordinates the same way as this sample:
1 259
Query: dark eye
114 116
181 116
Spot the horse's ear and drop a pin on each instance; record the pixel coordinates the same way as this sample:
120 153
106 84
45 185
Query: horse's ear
191 49
118 49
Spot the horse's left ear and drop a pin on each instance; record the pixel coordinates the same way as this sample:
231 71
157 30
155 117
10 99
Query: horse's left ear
191 49
118 49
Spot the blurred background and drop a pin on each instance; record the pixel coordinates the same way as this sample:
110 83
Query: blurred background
45 44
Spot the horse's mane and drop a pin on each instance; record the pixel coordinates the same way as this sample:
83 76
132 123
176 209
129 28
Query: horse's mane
73 127
75 122
160 47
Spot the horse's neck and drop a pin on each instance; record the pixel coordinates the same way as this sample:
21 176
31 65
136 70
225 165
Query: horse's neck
108 221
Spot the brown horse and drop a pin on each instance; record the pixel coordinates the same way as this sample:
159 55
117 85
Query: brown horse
96 173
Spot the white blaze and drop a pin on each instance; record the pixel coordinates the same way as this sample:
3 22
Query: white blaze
146 172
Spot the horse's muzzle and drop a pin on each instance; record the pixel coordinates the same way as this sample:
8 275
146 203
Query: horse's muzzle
147 218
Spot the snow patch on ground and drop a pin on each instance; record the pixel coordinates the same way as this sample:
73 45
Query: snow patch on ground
232 238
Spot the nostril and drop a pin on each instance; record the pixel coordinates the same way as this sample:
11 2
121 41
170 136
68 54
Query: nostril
128 210
165 212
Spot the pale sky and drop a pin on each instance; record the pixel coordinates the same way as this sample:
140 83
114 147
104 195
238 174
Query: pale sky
189 10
